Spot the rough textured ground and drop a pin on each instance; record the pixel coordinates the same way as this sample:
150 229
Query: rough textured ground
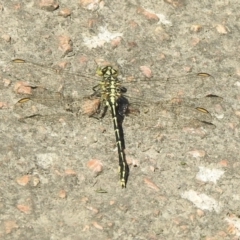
184 182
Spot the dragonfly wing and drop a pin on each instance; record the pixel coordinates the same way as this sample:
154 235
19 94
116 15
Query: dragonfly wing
195 85
52 78
176 113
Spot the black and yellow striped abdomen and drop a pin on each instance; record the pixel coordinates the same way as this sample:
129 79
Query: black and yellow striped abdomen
110 88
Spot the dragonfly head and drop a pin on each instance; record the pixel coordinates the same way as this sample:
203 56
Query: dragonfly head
107 71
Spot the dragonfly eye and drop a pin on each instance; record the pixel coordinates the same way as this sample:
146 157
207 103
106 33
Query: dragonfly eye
107 71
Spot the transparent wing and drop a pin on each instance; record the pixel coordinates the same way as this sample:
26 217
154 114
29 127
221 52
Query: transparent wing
52 78
185 99
191 85
177 113
175 102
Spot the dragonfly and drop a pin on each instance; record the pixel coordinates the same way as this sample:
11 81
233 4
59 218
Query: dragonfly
121 97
